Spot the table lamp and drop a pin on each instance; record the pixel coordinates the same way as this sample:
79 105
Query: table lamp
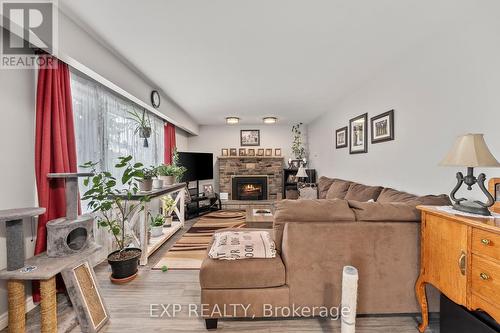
301 173
471 151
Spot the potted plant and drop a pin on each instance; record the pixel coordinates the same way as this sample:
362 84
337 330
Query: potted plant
170 173
168 205
142 125
146 183
297 146
157 225
108 201
158 181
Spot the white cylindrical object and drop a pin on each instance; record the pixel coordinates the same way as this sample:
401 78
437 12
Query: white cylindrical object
349 299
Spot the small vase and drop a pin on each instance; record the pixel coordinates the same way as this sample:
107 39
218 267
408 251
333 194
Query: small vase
168 221
167 180
157 183
145 185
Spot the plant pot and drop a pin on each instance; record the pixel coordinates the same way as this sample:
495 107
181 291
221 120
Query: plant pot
157 183
167 180
156 231
145 132
168 221
145 185
126 267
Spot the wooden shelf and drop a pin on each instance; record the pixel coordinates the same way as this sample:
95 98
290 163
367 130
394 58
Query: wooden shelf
250 157
156 242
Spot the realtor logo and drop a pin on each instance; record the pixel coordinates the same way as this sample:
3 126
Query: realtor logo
28 27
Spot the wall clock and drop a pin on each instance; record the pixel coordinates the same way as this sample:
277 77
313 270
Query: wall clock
155 99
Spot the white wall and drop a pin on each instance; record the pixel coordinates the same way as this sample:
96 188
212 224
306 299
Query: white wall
212 139
17 96
440 90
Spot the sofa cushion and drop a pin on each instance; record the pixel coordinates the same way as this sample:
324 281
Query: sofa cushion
338 189
304 210
434 200
392 195
387 211
241 274
324 184
360 192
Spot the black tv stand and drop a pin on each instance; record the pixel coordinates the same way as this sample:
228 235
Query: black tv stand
194 208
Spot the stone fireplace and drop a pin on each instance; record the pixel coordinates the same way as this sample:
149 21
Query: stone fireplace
249 188
265 168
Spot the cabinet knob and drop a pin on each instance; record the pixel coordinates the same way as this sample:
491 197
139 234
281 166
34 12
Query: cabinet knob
484 276
485 241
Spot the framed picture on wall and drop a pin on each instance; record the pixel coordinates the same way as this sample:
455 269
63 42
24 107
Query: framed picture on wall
358 134
260 152
277 151
224 152
382 127
341 138
233 152
250 138
242 152
251 152
269 152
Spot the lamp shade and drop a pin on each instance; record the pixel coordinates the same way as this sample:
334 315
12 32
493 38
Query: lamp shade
301 173
470 150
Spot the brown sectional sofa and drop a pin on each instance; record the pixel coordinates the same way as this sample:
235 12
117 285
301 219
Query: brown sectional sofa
372 228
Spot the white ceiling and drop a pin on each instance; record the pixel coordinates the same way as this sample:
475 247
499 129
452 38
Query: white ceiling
253 58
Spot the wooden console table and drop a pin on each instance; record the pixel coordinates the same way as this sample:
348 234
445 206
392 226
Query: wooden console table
139 218
460 256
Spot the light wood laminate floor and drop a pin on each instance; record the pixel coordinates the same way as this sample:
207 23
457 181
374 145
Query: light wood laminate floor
129 307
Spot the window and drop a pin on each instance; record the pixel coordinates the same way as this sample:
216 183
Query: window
103 129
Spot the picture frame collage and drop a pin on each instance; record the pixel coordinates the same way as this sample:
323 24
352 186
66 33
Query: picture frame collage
250 138
356 134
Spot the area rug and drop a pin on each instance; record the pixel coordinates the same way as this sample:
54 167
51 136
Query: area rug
190 250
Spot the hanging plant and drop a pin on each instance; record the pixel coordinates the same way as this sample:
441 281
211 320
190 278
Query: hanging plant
297 145
142 125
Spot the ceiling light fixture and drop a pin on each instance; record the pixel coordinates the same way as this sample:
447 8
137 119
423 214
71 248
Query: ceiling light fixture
232 120
270 120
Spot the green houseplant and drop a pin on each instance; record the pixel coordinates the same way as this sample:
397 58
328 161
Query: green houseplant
108 201
297 146
157 225
170 173
146 183
142 125
168 205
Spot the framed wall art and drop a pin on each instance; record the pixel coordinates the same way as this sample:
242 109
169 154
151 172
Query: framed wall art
358 134
233 152
224 152
242 152
269 152
341 138
382 127
260 152
250 138
277 151
251 152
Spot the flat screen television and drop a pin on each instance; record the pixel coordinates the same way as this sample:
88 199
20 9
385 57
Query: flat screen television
199 166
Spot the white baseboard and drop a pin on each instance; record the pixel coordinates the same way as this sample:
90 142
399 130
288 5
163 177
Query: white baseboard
4 317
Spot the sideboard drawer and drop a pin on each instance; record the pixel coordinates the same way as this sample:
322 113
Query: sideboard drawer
486 243
478 303
486 278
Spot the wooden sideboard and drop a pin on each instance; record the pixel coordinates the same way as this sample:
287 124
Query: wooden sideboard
460 256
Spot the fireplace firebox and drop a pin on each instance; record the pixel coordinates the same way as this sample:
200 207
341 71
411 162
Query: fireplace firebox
249 188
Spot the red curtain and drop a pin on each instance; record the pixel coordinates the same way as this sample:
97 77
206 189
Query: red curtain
169 142
55 148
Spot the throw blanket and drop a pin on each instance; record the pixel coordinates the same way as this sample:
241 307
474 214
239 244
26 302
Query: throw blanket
230 245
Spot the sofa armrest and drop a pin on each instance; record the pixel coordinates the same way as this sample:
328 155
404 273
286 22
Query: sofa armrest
306 210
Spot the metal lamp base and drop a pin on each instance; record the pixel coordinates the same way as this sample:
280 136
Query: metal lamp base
472 207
